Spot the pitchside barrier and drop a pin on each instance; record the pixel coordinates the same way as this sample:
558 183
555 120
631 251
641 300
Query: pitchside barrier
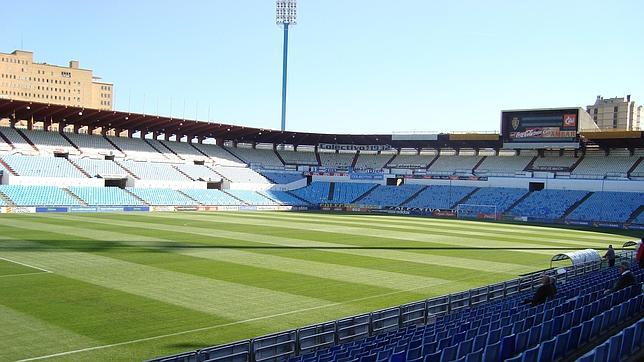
280 346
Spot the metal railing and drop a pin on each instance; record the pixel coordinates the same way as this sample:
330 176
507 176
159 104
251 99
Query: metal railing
280 346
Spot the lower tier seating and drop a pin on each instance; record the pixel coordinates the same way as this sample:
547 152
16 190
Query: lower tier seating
38 195
608 206
104 196
440 196
384 195
211 197
153 196
547 204
251 197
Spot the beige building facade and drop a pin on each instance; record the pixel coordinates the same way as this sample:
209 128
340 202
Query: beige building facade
616 113
23 79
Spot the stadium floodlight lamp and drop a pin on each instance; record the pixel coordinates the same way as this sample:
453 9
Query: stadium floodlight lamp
286 12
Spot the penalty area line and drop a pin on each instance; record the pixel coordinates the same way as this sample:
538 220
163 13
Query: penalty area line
17 275
27 265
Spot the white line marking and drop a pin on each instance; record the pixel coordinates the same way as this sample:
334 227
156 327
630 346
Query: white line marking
27 265
17 275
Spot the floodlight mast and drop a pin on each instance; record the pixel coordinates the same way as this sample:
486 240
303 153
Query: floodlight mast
286 14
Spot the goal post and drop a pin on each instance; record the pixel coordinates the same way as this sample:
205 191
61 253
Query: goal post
477 211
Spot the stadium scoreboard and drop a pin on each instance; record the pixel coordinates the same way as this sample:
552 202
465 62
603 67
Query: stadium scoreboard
545 128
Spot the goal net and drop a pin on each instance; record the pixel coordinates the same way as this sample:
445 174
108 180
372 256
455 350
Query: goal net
476 211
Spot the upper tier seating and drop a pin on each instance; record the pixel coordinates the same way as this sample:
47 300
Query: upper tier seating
339 160
4 146
283 197
211 197
104 196
454 164
185 150
485 197
263 157
345 193
547 204
440 196
153 171
137 149
372 161
315 193
601 166
298 158
251 197
153 196
36 166
282 177
390 195
99 167
503 164
550 163
639 170
199 172
93 145
608 206
411 161
26 195
19 143
156 144
241 174
50 142
219 155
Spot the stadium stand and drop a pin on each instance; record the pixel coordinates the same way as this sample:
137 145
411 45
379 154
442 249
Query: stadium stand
602 166
251 197
547 204
622 346
161 197
608 206
346 193
550 163
241 175
503 165
499 197
298 157
219 155
104 196
153 171
384 195
137 149
281 177
367 161
199 172
449 165
49 142
157 145
338 160
283 198
440 196
36 166
184 150
407 160
257 156
211 197
99 167
19 143
93 145
315 193
25 195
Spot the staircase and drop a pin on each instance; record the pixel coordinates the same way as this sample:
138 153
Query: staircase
215 171
634 167
279 157
365 194
575 205
235 197
391 159
183 173
317 157
127 170
331 191
478 164
635 214
136 197
432 162
114 145
79 168
75 197
307 202
26 138
7 141
530 164
186 195
9 168
154 147
198 150
518 201
169 149
574 165
6 200
70 141
355 159
464 199
413 196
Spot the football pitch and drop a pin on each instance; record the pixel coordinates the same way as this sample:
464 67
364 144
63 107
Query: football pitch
138 286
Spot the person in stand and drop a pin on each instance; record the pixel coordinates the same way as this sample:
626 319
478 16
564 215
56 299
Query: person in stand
626 278
545 291
640 254
610 256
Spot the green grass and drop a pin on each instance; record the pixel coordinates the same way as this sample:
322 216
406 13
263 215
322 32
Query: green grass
137 286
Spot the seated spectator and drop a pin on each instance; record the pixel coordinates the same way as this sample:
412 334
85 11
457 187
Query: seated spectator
640 254
610 256
626 278
545 291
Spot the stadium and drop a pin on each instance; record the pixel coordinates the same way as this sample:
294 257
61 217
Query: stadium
131 236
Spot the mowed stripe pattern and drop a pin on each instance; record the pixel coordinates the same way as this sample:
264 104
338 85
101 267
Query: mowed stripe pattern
135 286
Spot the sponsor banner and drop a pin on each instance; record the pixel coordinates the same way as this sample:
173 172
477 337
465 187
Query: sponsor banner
186 208
610 225
346 147
267 208
366 176
551 168
543 132
110 208
450 177
17 210
635 227
83 209
162 208
51 209
426 211
247 208
579 223
137 208
227 208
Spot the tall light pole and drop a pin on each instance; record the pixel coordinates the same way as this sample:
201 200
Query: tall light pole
286 14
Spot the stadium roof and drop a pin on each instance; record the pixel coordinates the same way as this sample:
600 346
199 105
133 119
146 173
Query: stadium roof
146 123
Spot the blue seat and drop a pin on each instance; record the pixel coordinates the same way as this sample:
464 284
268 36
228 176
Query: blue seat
508 346
384 355
627 341
531 355
366 358
465 347
449 353
561 345
596 326
494 336
479 342
546 330
586 329
398 356
413 353
588 357
475 356
521 342
546 350
517 358
614 347
492 352
535 335
429 348
601 353
433 357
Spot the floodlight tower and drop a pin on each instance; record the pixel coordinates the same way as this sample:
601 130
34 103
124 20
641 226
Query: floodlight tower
286 14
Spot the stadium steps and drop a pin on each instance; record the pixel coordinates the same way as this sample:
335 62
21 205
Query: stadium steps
530 164
127 170
70 142
478 164
26 138
7 200
635 214
136 197
306 202
234 155
7 141
574 165
171 150
413 196
365 194
575 205
331 191
317 157
183 173
198 150
391 159
279 156
520 200
637 163
432 162
74 196
188 196
114 145
355 159
9 168
155 148
79 168
235 197
467 197
220 175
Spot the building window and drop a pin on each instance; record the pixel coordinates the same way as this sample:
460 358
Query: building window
615 109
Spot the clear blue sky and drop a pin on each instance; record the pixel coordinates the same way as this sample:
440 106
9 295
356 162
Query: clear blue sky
359 66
